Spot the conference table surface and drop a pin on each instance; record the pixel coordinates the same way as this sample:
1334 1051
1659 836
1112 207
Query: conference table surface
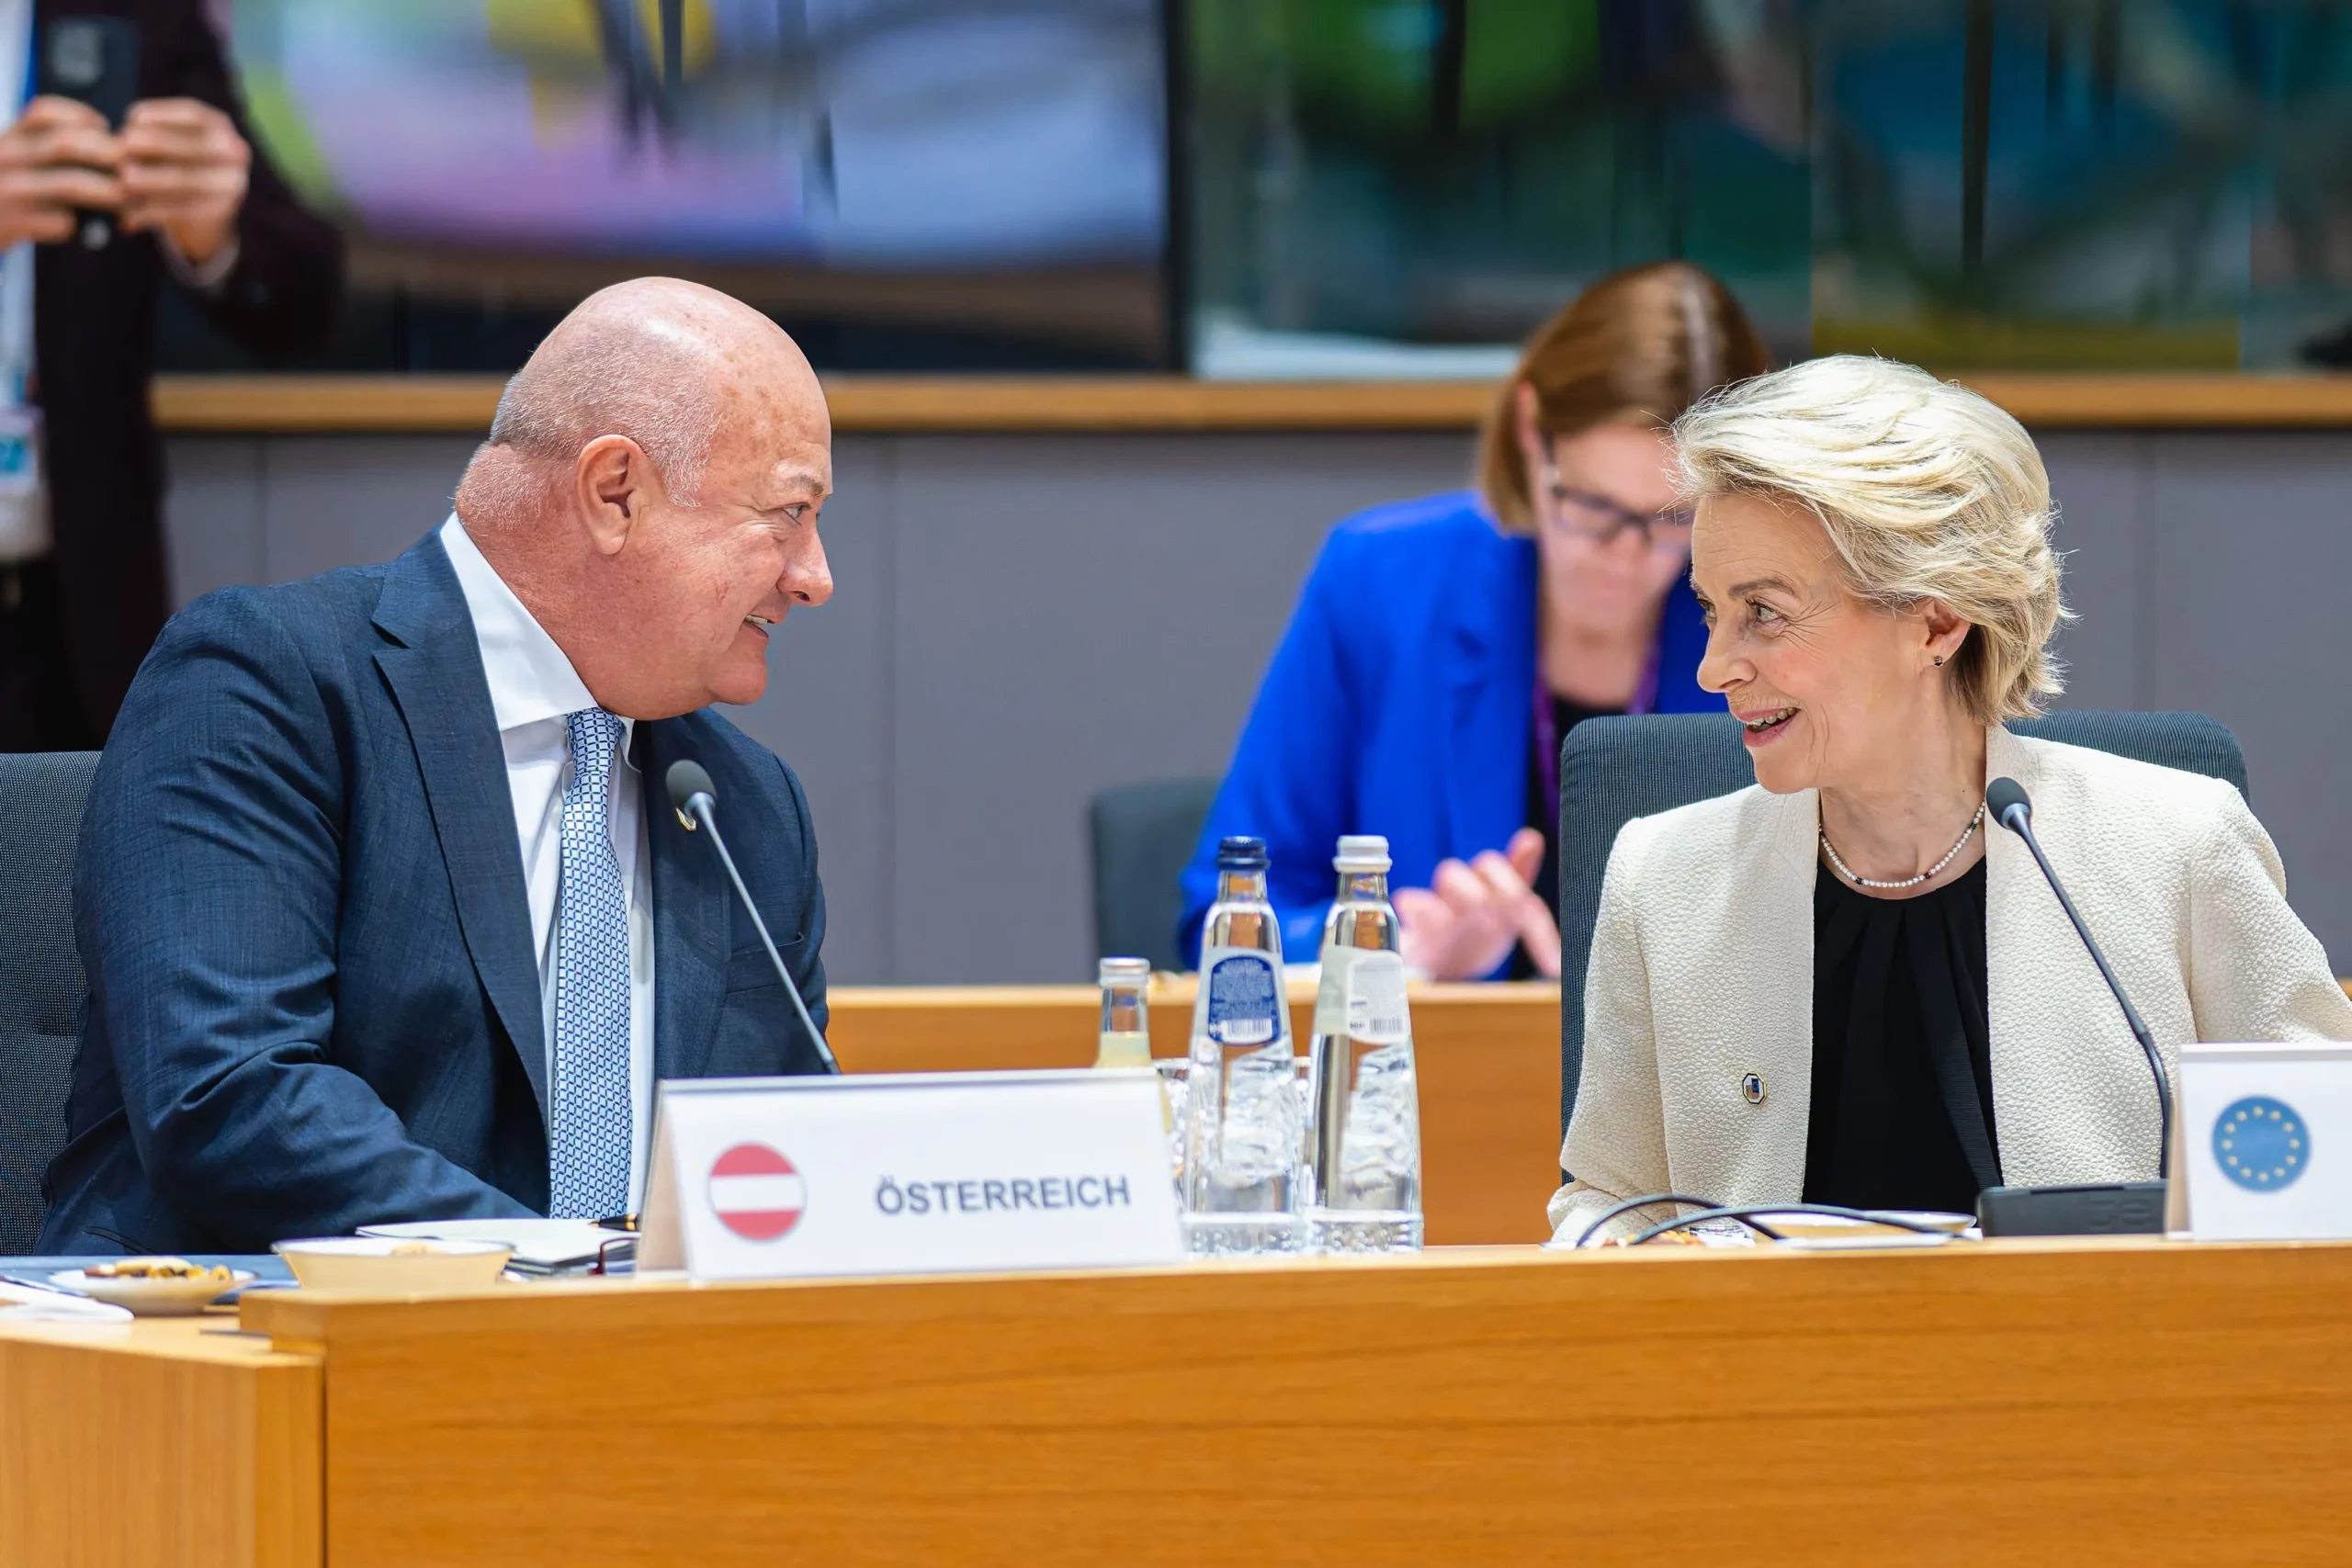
2031 1401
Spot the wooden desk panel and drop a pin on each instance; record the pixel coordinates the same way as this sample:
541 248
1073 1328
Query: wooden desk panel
1489 1059
2051 1402
907 404
159 1444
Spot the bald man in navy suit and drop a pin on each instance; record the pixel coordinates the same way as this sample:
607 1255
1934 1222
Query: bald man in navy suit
384 913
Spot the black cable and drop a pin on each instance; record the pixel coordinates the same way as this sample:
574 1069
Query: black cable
1742 1211
1767 1230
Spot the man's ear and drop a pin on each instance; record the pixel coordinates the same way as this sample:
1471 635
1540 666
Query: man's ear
613 485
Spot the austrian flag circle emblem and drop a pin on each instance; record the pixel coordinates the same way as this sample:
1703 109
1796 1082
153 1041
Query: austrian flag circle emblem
756 1192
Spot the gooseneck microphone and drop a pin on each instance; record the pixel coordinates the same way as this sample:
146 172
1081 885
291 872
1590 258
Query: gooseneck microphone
690 796
2006 798
2122 1207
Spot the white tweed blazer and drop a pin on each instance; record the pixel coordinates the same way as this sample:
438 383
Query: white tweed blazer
1702 973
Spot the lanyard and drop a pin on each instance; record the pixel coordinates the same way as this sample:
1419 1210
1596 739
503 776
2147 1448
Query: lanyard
1547 725
16 264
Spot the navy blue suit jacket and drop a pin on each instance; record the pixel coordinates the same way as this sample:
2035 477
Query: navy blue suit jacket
313 999
1402 701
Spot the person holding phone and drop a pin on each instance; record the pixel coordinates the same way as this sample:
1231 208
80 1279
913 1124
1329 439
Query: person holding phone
181 190
1443 647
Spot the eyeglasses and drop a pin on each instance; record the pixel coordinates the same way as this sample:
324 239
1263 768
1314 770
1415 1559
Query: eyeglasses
1666 531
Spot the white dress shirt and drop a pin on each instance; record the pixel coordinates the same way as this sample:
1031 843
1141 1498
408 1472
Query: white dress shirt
532 687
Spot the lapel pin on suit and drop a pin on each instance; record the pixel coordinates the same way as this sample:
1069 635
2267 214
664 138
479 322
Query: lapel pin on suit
1751 1087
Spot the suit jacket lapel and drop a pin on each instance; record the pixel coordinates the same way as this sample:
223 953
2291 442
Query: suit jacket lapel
1491 675
692 917
436 674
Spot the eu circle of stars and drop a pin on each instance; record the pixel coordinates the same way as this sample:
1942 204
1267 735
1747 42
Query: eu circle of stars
2261 1144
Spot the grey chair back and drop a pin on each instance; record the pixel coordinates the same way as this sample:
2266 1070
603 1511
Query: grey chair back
1613 769
1142 835
41 989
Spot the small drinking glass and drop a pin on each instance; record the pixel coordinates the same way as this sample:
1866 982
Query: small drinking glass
1172 1071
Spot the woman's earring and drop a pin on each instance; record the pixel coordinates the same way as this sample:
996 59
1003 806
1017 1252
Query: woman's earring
1939 661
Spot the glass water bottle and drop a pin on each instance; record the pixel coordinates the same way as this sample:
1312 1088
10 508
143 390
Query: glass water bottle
1242 1121
1363 1139
1126 1039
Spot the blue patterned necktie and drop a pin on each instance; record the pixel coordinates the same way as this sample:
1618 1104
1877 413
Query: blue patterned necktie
591 1137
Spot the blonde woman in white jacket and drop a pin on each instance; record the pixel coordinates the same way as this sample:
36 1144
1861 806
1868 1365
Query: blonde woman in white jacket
1845 985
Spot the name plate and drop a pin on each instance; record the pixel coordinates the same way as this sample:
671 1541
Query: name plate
2267 1133
909 1173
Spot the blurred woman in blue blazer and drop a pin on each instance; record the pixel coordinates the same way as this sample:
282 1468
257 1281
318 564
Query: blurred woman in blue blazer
1441 648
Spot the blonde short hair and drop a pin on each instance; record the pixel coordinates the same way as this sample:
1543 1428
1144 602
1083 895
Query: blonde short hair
1926 491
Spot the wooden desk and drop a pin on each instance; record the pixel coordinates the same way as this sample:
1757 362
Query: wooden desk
2032 1402
909 404
1488 1058
171 1443
2043 1403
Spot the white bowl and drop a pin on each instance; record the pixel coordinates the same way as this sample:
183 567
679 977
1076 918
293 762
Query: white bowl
389 1266
150 1297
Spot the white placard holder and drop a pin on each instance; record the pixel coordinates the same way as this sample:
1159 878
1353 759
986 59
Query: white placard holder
2266 1131
909 1173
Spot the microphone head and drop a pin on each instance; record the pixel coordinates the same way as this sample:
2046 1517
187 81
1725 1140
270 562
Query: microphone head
2005 798
686 779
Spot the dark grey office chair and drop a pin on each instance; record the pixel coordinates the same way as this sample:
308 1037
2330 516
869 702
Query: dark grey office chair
1613 769
1142 835
41 796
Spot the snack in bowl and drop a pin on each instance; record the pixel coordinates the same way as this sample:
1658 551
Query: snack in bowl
153 1287
158 1269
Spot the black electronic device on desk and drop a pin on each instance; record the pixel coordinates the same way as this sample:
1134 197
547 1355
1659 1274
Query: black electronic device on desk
2121 1208
95 60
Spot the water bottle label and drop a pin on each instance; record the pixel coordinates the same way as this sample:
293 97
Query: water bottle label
1242 1000
1361 996
1376 1010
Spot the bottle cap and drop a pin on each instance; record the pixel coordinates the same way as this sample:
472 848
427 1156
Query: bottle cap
1126 970
1243 851
1361 852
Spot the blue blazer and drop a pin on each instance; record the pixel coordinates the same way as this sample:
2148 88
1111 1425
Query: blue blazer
1402 701
314 1000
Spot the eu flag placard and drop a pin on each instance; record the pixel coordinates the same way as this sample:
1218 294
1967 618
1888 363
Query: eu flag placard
2267 1133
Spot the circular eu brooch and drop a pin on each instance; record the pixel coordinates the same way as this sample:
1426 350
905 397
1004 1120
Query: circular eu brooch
1752 1087
2261 1144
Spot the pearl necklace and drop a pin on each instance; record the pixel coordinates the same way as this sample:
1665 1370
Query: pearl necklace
1927 875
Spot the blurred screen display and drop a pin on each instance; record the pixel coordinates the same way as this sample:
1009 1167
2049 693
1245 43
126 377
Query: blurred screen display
1407 187
531 149
866 132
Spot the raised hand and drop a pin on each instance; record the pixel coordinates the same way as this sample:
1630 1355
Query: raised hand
1467 922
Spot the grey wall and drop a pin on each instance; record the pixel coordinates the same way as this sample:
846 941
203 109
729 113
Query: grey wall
1022 621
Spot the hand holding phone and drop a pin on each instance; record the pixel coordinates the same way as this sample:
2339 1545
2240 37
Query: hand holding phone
91 62
184 171
59 163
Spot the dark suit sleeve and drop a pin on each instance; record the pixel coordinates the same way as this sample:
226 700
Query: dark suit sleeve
807 961
286 289
207 896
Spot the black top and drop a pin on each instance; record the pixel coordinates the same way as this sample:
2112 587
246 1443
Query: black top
1544 815
1902 1059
